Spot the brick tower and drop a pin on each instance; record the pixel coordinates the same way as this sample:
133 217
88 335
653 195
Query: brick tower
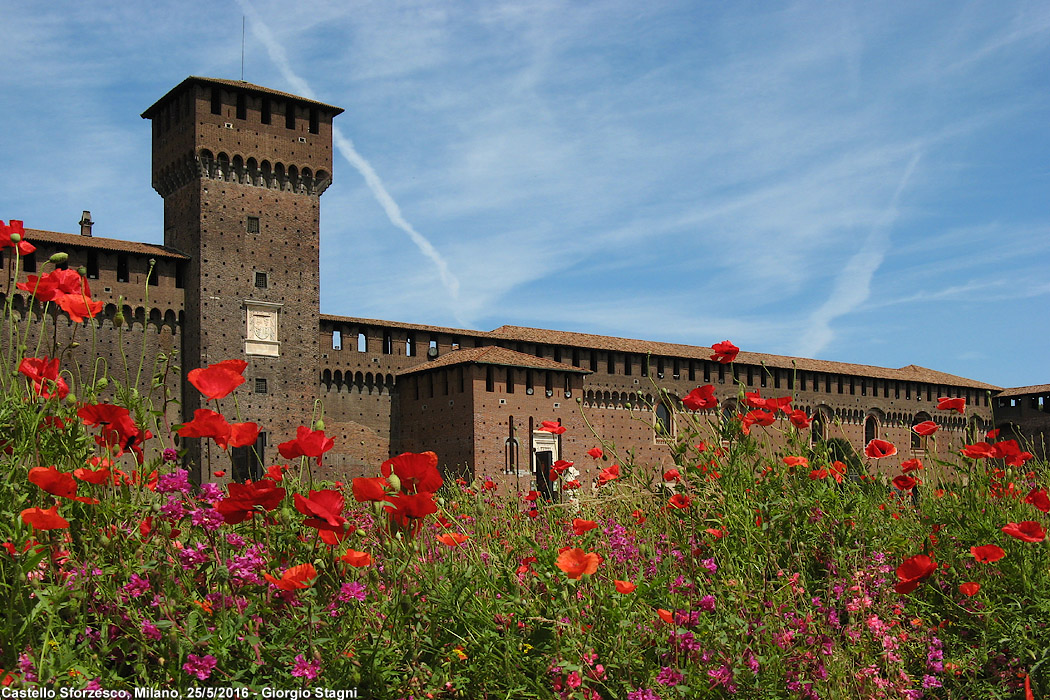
241 169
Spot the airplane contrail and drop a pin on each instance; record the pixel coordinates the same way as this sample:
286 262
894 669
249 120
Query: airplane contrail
853 284
346 148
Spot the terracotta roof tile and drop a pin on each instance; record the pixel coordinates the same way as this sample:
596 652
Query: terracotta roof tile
492 355
241 85
1026 390
68 239
356 321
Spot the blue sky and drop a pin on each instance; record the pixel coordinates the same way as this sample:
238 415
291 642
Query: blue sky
863 182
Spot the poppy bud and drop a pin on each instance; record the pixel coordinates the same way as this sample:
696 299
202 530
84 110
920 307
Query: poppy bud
360 533
627 405
102 383
118 318
319 424
394 481
74 344
71 399
16 237
82 271
58 258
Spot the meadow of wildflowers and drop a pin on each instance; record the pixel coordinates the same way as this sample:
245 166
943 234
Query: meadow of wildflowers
795 572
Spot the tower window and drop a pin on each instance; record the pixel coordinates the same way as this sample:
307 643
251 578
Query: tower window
29 262
289 116
92 265
362 342
266 110
180 275
122 268
253 224
388 344
337 340
314 121
216 101
510 380
261 280
260 385
242 106
490 381
153 275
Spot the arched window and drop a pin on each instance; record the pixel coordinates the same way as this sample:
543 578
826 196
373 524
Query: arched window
871 429
663 420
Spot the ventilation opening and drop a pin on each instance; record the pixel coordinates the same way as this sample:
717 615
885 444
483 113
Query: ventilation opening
253 224
262 280
260 385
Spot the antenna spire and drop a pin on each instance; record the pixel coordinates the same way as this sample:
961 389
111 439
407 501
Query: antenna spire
242 48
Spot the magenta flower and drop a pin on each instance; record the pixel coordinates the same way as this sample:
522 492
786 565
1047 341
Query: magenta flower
305 669
200 666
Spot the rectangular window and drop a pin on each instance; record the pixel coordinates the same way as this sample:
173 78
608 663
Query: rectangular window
721 373
253 224
896 390
337 340
863 387
92 265
750 377
266 110
707 371
763 377
262 280
645 366
610 364
676 370
528 382
776 379
260 385
594 360
362 342
29 262
628 364
388 344
180 275
575 357
314 121
153 277
801 381
692 371
852 386
490 380
242 106
840 384
410 345
289 116
122 268
216 101
548 384
660 367
248 461
510 380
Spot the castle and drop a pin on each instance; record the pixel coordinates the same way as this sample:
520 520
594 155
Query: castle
241 169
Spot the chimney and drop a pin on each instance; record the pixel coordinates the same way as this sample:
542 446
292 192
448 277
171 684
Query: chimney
85 224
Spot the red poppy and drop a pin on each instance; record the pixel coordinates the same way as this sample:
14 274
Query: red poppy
992 434
756 417
877 449
78 306
242 500
575 562
799 419
911 465
595 452
531 496
92 476
905 483
571 485
408 510
357 559
927 427
581 526
610 474
489 485
276 472
987 553
50 286
945 403
700 398
818 474
307 443
369 489
980 450
1010 451
294 577
219 473
44 375
218 380
452 539
118 429
969 588
42 519
639 517
550 426
672 475
418 471
665 615
679 501
724 352
716 532
793 461
912 571
324 507
1027 531
560 466
207 424
1039 499
781 404
624 587
53 481
838 470
23 246
754 399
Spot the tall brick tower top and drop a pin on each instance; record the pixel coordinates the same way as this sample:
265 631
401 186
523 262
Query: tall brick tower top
241 169
267 133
